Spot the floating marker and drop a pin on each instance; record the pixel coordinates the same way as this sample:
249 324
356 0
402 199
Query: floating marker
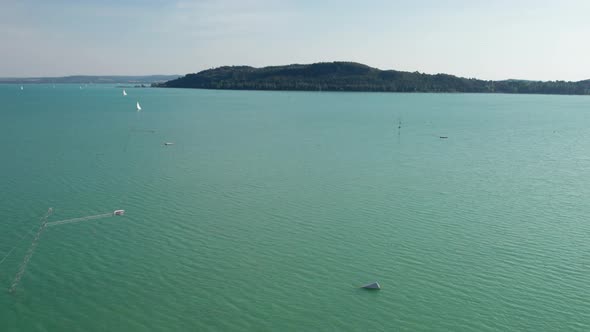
373 285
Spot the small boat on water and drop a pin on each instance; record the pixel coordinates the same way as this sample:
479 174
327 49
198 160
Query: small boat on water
373 285
118 212
443 137
124 93
22 87
168 143
138 107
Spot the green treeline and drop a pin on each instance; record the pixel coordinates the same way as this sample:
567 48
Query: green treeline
349 76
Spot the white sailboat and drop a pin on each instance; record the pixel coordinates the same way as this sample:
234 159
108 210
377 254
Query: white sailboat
124 93
21 87
138 107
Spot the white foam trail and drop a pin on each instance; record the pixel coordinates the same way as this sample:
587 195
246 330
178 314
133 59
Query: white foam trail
69 221
29 254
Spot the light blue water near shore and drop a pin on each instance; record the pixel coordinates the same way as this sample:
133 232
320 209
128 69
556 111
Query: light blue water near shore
273 206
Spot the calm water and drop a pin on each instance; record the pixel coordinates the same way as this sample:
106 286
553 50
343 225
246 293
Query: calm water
272 207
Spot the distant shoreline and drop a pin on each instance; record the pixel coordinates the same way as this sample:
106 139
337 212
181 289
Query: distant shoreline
355 77
90 79
157 86
383 92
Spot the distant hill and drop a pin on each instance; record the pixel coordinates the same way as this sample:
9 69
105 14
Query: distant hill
350 76
91 79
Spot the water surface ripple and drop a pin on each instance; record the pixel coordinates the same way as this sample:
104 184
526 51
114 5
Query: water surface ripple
272 207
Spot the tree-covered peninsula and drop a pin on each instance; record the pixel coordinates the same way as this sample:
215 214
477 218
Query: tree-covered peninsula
350 76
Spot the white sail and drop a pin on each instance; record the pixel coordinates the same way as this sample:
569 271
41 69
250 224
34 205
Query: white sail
138 107
124 93
21 87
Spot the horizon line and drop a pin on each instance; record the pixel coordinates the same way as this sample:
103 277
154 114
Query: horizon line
291 64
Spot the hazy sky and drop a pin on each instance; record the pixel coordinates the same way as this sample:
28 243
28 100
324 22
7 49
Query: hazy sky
492 39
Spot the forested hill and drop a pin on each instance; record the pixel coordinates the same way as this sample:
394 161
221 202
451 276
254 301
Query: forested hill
350 76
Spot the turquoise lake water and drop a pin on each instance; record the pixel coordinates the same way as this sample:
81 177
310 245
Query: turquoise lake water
273 207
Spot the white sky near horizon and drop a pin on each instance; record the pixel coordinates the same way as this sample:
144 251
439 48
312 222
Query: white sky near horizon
523 39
